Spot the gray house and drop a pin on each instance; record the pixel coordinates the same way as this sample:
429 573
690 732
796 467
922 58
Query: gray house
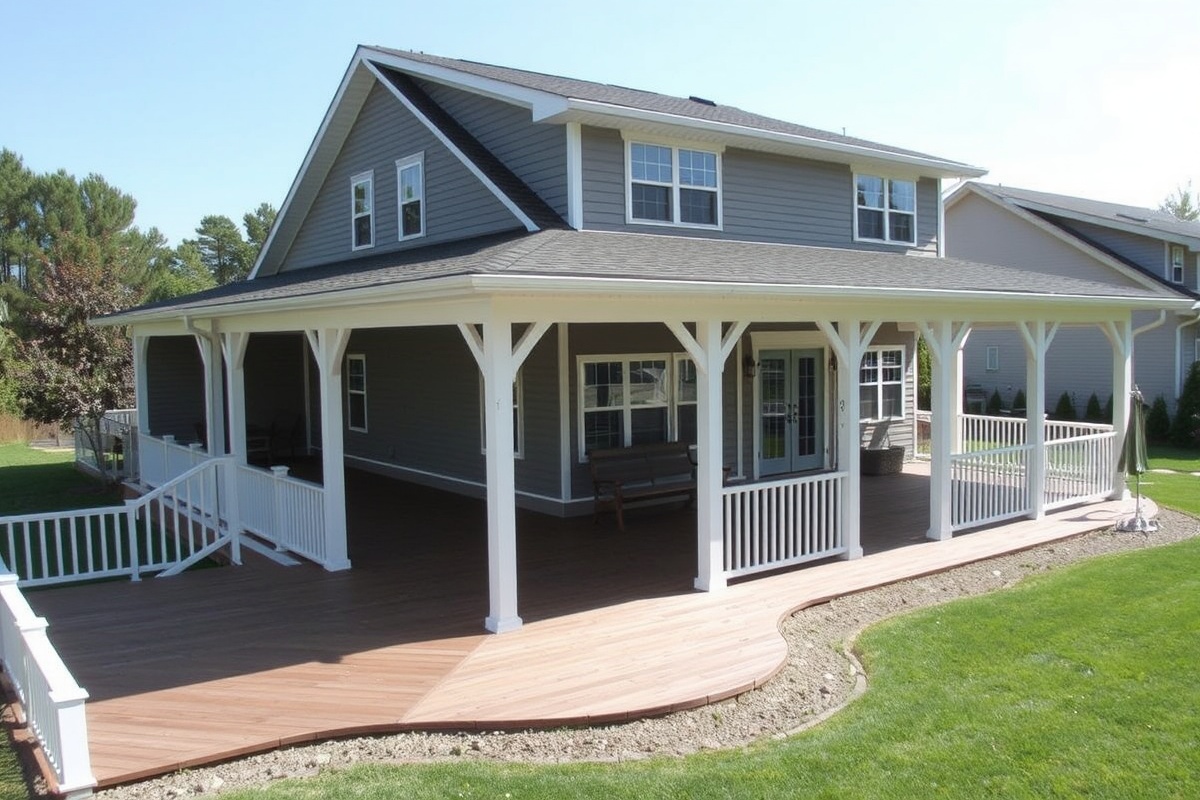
1070 236
481 275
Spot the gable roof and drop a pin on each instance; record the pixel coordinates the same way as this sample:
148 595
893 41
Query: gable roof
653 261
554 99
1151 222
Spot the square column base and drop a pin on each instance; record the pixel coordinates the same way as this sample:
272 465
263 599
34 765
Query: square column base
337 566
502 625
710 584
852 554
939 536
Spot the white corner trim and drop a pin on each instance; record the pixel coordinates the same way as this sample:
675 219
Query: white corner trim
507 201
575 175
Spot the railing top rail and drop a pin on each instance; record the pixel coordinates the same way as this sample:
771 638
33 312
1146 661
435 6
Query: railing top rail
1085 438
286 478
738 488
158 491
71 513
991 451
1094 426
994 417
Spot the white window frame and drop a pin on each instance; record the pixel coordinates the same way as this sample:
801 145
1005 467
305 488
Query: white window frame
518 416
993 358
415 160
1177 263
879 384
674 185
351 392
368 178
626 408
885 209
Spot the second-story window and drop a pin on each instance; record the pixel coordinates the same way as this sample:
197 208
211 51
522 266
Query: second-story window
362 206
885 209
1177 262
673 185
410 178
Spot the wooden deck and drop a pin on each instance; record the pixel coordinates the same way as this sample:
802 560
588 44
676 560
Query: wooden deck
221 662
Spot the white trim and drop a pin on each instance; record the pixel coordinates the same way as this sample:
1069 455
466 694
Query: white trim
415 160
789 340
675 187
574 132
1172 251
887 181
564 411
500 195
992 358
362 358
880 383
626 408
941 226
367 177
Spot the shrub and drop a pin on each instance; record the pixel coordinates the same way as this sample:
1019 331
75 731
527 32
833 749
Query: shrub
1108 409
1158 421
1185 430
1094 412
1018 405
994 403
1065 410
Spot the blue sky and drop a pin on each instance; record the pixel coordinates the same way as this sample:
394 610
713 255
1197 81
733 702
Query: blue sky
198 108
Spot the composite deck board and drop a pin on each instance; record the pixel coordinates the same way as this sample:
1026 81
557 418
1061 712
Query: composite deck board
223 662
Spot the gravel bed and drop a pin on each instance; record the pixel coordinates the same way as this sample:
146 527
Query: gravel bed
818 679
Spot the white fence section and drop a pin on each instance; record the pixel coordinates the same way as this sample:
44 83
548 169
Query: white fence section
167 527
1080 468
988 486
287 512
982 432
117 448
780 523
53 703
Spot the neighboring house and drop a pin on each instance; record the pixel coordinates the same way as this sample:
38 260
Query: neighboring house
1070 236
480 274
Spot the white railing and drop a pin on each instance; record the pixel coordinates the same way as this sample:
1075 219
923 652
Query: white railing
1080 468
122 416
1057 430
163 459
286 511
980 432
160 530
117 448
51 700
784 522
989 486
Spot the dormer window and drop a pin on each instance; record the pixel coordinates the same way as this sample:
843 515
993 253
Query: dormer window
1177 256
673 185
885 210
362 205
410 178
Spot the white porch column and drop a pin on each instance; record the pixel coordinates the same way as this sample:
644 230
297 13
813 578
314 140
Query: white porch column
849 341
214 395
959 399
141 383
1037 337
709 349
944 339
233 346
329 345
1120 335
499 359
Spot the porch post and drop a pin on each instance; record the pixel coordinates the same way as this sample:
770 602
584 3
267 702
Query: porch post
233 346
498 377
141 385
710 525
329 345
1120 335
214 399
958 389
945 342
1037 337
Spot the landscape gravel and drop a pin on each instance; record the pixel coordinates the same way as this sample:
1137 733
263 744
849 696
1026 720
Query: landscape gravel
820 677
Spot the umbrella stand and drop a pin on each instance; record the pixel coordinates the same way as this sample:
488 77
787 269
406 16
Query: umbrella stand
1138 521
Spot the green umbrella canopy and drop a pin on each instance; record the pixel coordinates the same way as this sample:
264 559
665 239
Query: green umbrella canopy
1133 451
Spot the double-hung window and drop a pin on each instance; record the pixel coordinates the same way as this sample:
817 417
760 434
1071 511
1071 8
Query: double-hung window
624 401
673 185
1177 262
362 207
881 384
885 209
685 399
356 393
410 180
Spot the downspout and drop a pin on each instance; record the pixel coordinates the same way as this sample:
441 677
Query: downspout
1179 352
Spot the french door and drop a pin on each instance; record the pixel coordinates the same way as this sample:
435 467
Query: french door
791 417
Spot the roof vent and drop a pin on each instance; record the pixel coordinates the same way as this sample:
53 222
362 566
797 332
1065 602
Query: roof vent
1132 217
701 101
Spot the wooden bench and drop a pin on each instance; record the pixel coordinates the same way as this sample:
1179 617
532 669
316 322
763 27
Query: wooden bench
641 472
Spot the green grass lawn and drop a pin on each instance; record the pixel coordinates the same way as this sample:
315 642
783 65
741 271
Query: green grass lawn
39 480
1181 490
1082 682
1183 459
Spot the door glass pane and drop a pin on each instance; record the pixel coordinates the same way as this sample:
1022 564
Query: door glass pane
773 376
773 443
806 407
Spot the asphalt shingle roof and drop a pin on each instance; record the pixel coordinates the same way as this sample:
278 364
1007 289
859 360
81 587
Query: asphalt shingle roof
594 254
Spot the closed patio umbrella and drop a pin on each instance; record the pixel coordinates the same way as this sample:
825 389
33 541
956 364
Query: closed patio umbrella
1133 461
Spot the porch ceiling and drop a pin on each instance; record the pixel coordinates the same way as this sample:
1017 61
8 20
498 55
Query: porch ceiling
222 662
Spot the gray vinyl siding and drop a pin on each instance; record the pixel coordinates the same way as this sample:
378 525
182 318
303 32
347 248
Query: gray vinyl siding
979 230
274 376
1079 362
457 205
423 409
175 387
536 153
765 197
1147 252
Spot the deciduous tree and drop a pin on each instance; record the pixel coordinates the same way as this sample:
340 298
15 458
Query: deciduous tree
1183 204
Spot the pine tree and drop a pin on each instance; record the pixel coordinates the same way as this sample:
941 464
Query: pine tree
1185 429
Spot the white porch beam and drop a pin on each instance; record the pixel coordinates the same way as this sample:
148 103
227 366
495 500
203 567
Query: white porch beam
1037 337
944 339
329 346
214 395
499 372
690 344
1121 338
529 339
233 346
474 341
710 533
141 383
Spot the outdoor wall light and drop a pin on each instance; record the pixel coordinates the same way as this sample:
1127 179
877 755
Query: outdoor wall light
749 366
